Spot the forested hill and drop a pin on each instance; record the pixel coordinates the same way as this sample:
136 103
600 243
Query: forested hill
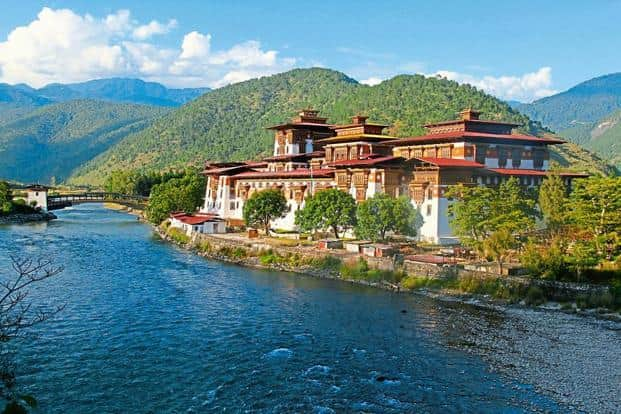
229 123
586 102
18 100
48 143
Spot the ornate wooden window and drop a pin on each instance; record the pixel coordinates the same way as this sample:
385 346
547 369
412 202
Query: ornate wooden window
445 152
359 179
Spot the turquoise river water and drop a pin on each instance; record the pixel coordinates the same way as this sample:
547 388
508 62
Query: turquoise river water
150 328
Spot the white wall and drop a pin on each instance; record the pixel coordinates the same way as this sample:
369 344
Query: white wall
40 197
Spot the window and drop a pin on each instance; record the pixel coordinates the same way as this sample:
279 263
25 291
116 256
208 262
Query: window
428 209
430 193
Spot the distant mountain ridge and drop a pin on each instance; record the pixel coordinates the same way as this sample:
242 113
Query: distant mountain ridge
17 100
121 90
583 113
588 101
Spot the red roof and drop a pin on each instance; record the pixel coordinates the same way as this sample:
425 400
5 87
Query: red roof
476 121
366 162
225 170
450 136
299 124
525 172
193 219
451 162
298 173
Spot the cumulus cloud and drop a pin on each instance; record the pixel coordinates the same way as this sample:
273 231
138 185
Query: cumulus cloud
372 81
153 28
63 46
525 88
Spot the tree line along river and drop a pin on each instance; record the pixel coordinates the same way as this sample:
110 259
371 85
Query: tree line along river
148 327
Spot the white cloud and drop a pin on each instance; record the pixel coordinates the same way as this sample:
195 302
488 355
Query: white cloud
63 46
524 88
154 28
372 81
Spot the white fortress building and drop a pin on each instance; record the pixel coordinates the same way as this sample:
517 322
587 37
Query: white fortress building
359 158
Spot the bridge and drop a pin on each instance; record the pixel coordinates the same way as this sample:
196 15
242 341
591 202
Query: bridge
59 201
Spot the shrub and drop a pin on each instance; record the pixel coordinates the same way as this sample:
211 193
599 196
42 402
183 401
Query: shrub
327 263
356 271
416 282
204 246
178 235
534 296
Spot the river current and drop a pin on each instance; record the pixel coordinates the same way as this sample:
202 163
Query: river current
151 328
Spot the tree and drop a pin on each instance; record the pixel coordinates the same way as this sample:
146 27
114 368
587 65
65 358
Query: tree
328 209
478 213
17 315
381 214
263 207
5 198
595 205
498 245
177 194
553 202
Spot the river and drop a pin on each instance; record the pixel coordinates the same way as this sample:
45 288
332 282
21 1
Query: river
151 328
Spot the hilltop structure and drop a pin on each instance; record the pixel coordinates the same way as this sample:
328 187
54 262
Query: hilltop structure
359 158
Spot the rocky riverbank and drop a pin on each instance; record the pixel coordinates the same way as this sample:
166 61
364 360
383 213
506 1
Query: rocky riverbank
571 358
22 218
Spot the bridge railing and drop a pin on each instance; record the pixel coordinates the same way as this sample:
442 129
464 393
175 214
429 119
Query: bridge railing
64 200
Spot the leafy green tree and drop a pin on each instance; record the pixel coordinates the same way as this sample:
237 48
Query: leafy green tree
584 255
328 209
264 206
499 244
595 205
477 213
553 202
176 194
381 214
5 198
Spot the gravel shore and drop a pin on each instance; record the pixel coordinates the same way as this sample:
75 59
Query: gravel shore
573 359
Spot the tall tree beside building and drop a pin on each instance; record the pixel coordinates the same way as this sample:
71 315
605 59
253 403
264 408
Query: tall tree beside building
382 214
491 220
177 194
263 207
331 209
553 203
595 205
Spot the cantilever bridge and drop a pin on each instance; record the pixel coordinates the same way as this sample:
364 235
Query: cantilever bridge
58 201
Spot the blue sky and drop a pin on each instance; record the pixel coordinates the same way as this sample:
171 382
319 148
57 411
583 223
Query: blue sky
515 50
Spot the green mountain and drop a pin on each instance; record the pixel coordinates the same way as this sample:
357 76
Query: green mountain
229 123
121 90
602 137
586 102
55 139
584 113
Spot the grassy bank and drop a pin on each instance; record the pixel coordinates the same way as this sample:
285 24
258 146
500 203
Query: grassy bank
531 292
